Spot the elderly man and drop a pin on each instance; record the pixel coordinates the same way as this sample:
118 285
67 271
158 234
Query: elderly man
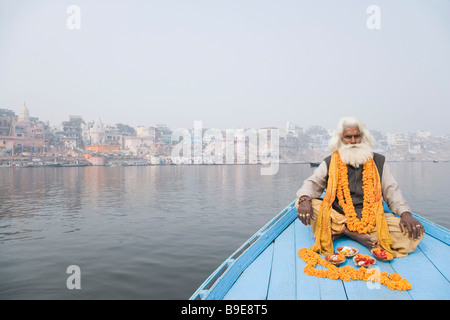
356 180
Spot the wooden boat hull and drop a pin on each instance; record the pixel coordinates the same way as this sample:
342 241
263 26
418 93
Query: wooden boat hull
267 266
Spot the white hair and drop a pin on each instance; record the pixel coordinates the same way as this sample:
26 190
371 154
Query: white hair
350 122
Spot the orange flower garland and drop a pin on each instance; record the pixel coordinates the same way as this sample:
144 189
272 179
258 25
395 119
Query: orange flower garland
367 222
393 281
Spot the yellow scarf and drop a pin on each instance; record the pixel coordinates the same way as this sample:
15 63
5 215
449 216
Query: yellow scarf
324 242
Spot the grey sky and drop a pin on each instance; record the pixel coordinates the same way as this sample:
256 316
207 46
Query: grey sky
229 63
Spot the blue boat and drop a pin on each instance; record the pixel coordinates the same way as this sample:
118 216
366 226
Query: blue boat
267 267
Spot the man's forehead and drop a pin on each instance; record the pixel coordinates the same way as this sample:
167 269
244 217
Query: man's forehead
351 129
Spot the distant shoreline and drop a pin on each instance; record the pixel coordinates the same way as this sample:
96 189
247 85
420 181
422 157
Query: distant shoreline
141 163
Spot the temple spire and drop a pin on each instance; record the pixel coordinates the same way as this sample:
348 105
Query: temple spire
24 115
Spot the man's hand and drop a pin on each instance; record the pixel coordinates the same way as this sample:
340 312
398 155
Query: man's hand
411 225
305 210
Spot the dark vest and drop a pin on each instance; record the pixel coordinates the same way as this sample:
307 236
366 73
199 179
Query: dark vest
355 183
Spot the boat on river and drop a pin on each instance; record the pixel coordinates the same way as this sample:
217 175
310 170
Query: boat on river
267 267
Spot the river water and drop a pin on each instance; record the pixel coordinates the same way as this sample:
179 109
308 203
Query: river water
153 232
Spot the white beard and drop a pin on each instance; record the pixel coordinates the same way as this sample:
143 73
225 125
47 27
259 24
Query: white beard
355 154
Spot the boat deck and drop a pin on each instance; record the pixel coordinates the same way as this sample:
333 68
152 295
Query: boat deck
275 271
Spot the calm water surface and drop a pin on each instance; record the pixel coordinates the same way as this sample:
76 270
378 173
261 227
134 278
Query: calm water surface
152 232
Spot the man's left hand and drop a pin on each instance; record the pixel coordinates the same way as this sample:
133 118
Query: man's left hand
411 225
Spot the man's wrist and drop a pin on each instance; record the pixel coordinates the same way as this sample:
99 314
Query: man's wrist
303 198
405 213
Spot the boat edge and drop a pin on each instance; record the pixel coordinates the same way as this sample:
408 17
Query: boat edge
223 278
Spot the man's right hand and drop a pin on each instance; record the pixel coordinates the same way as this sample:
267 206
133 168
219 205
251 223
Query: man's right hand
305 210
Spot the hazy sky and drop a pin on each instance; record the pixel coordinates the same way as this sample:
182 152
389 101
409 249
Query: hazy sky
229 63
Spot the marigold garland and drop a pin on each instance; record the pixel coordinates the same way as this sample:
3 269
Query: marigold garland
393 281
367 222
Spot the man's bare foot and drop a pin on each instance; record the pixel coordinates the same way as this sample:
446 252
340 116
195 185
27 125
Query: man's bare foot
365 239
